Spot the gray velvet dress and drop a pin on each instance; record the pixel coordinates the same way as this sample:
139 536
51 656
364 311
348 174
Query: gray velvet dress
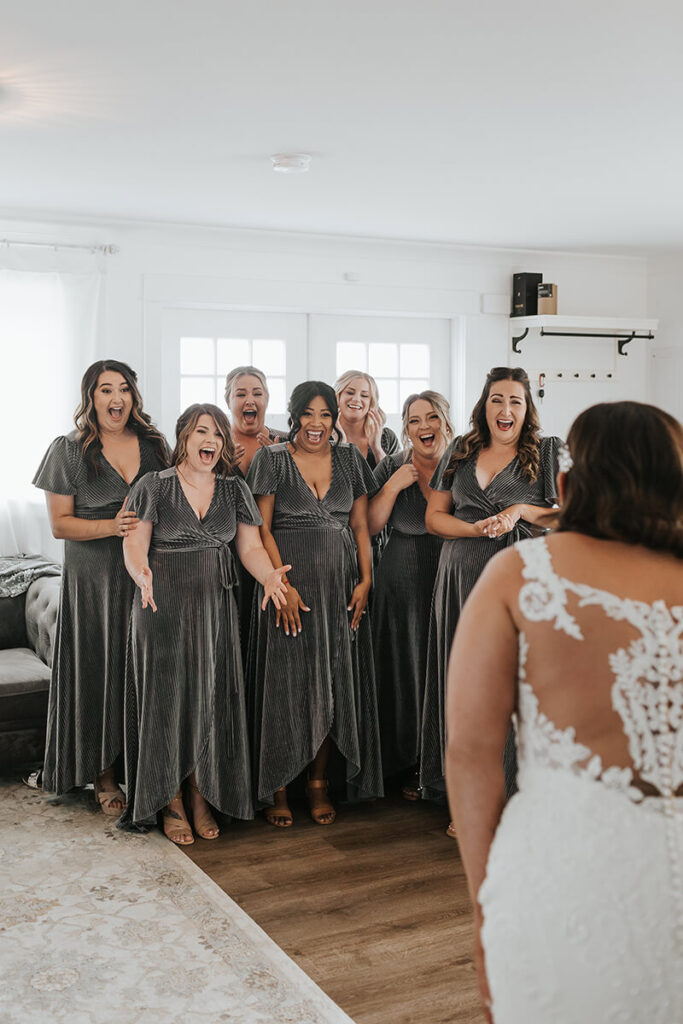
402 599
322 681
185 703
85 710
460 565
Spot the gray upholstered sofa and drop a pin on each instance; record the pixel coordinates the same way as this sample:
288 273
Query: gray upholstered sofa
27 631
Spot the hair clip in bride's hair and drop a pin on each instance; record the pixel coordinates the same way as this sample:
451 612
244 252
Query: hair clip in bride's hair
564 459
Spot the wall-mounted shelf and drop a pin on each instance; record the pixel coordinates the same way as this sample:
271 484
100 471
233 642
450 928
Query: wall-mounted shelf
622 329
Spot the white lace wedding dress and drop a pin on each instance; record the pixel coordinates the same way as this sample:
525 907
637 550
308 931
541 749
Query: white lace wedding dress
583 897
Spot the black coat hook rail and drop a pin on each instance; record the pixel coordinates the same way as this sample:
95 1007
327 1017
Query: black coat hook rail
621 339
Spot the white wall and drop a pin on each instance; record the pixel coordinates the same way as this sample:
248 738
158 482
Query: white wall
166 265
665 295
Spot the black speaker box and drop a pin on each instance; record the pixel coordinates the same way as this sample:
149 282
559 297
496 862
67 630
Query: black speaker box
525 294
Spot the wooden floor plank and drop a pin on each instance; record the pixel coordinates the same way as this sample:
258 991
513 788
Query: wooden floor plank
374 908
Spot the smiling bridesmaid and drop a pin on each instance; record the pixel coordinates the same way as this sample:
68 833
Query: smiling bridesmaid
494 486
404 581
87 476
185 703
311 668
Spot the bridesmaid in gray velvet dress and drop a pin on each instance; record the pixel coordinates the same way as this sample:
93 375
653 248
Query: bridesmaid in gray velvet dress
311 669
87 476
185 706
246 396
493 487
404 581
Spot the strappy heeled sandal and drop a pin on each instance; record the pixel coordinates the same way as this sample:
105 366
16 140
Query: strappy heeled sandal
106 797
175 827
280 817
450 831
320 806
207 823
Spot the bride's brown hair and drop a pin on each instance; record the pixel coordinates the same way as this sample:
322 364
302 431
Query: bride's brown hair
626 481
188 420
469 445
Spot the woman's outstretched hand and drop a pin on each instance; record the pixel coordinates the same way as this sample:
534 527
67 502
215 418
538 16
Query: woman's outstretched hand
144 581
358 603
274 588
289 609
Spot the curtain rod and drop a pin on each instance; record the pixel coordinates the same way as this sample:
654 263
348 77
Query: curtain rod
106 250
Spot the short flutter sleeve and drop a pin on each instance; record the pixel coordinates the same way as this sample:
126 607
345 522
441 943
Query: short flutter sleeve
386 469
437 482
58 469
246 508
389 442
362 477
263 476
143 499
549 449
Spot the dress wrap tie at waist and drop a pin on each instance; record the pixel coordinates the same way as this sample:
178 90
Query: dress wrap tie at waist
226 561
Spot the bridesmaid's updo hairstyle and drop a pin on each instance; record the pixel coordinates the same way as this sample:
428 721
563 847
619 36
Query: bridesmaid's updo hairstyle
85 417
243 371
188 420
470 444
625 481
343 382
301 398
440 406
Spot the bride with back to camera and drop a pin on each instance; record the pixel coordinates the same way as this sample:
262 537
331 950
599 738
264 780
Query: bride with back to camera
578 884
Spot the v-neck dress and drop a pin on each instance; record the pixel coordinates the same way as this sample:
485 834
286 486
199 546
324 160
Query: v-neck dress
85 709
460 565
402 598
185 703
321 682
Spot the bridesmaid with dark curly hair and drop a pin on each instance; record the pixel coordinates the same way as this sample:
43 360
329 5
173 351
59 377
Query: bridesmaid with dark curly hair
494 486
88 475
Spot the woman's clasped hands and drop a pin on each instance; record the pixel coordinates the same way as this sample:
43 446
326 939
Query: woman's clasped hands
500 524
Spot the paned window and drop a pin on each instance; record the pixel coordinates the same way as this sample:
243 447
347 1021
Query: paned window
205 362
400 369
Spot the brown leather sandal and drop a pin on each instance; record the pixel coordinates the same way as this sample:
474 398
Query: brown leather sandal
206 827
175 827
280 817
316 791
411 787
450 831
106 797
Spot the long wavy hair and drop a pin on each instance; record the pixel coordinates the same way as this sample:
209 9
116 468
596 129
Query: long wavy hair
187 422
85 417
440 406
302 396
343 382
479 437
626 481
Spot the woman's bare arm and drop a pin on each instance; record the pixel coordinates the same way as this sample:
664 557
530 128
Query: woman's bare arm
67 526
481 696
439 519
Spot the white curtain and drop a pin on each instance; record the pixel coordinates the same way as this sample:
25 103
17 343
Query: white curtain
49 329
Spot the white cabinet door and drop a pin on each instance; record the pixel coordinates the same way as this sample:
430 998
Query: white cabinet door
403 354
200 346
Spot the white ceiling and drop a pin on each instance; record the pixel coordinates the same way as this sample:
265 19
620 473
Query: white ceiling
490 122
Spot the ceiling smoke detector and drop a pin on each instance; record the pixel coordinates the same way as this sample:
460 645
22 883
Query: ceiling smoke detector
291 163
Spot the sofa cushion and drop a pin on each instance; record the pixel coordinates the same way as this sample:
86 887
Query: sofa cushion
42 607
24 685
12 622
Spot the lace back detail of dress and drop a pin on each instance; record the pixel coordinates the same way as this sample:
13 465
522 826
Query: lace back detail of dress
647 692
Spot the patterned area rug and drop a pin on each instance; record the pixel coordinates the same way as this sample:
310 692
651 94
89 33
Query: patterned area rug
98 925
